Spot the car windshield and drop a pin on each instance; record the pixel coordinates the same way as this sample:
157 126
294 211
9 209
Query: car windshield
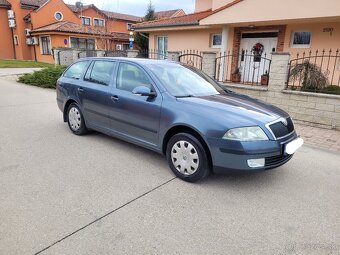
185 81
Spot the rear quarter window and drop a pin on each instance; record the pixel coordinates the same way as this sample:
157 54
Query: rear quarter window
75 71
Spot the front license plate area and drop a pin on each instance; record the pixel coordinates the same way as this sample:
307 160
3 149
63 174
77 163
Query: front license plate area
293 146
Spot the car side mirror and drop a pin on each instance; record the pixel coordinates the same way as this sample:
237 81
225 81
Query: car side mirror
143 91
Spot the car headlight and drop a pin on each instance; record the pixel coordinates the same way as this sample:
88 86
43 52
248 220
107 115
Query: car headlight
246 134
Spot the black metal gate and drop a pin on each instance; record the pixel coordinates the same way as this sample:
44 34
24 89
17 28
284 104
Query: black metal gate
192 58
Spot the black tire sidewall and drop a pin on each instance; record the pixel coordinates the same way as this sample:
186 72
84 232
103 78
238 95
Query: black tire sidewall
203 168
82 129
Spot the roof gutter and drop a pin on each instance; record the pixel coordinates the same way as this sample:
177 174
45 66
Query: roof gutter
168 25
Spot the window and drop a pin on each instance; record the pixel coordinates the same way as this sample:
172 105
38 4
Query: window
100 72
162 45
45 43
126 46
58 16
86 21
83 43
301 39
216 40
130 77
16 40
129 26
99 22
75 71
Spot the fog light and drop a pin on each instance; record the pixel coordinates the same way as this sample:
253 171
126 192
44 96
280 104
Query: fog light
259 162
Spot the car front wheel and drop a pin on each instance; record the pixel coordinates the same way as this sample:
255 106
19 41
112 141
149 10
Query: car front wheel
75 120
187 157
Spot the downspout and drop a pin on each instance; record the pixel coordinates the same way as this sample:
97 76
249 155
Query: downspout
13 44
35 53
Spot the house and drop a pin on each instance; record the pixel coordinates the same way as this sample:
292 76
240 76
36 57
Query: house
169 14
237 29
30 29
6 42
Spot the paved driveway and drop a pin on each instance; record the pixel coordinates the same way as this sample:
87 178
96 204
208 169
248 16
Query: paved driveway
17 71
63 194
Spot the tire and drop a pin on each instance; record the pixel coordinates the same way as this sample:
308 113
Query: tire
187 157
75 120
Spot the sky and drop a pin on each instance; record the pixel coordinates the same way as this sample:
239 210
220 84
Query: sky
139 7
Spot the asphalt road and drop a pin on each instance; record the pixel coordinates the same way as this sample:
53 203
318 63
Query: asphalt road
64 194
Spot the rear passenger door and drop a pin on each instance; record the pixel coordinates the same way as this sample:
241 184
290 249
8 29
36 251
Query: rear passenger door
94 93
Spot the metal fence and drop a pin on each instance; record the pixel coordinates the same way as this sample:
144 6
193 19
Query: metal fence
192 58
245 68
152 54
315 71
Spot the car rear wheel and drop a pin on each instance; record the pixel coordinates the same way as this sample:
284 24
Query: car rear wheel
187 157
75 120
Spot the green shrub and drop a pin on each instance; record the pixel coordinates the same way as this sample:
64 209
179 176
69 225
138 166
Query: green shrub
333 89
310 74
45 78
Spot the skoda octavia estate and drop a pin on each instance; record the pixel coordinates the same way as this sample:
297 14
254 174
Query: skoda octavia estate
176 110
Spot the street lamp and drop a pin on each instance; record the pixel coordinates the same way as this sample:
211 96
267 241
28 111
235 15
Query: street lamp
131 39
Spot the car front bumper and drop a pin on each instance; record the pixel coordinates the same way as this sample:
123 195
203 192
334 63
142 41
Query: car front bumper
231 156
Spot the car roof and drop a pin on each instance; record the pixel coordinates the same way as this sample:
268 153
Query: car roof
134 60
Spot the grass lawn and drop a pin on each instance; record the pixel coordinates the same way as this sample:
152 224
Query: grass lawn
22 64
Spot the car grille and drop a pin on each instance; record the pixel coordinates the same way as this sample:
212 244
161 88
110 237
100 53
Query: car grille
280 130
276 160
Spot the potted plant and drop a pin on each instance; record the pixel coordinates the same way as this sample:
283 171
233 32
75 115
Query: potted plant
236 75
265 78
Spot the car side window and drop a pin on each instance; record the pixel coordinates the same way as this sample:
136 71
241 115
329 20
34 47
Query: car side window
100 72
75 71
130 76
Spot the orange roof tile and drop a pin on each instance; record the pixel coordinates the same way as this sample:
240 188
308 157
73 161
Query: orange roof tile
70 27
33 3
167 14
4 3
186 20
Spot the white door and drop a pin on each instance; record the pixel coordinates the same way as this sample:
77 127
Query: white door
252 66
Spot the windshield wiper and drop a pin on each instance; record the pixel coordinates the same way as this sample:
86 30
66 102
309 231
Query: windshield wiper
184 96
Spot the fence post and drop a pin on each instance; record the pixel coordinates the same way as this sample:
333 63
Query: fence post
56 55
208 63
173 55
132 53
76 54
100 53
278 71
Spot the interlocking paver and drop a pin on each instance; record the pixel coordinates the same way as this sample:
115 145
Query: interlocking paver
327 139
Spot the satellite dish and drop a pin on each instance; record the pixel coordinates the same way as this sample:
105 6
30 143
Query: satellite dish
79 4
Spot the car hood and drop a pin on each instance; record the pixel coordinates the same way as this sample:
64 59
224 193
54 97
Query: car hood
243 109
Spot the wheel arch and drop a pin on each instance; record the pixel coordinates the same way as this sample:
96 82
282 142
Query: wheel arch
67 104
185 129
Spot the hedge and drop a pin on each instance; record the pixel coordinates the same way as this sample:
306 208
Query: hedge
45 78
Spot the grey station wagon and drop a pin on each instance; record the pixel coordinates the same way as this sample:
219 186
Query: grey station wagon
176 110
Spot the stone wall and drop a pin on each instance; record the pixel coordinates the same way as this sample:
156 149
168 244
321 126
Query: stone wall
313 108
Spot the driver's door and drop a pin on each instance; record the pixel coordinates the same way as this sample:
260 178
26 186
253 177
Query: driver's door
131 115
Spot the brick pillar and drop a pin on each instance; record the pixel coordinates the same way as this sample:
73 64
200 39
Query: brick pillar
173 55
208 63
278 71
132 53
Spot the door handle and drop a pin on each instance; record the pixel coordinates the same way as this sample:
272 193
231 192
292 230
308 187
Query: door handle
80 89
114 98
